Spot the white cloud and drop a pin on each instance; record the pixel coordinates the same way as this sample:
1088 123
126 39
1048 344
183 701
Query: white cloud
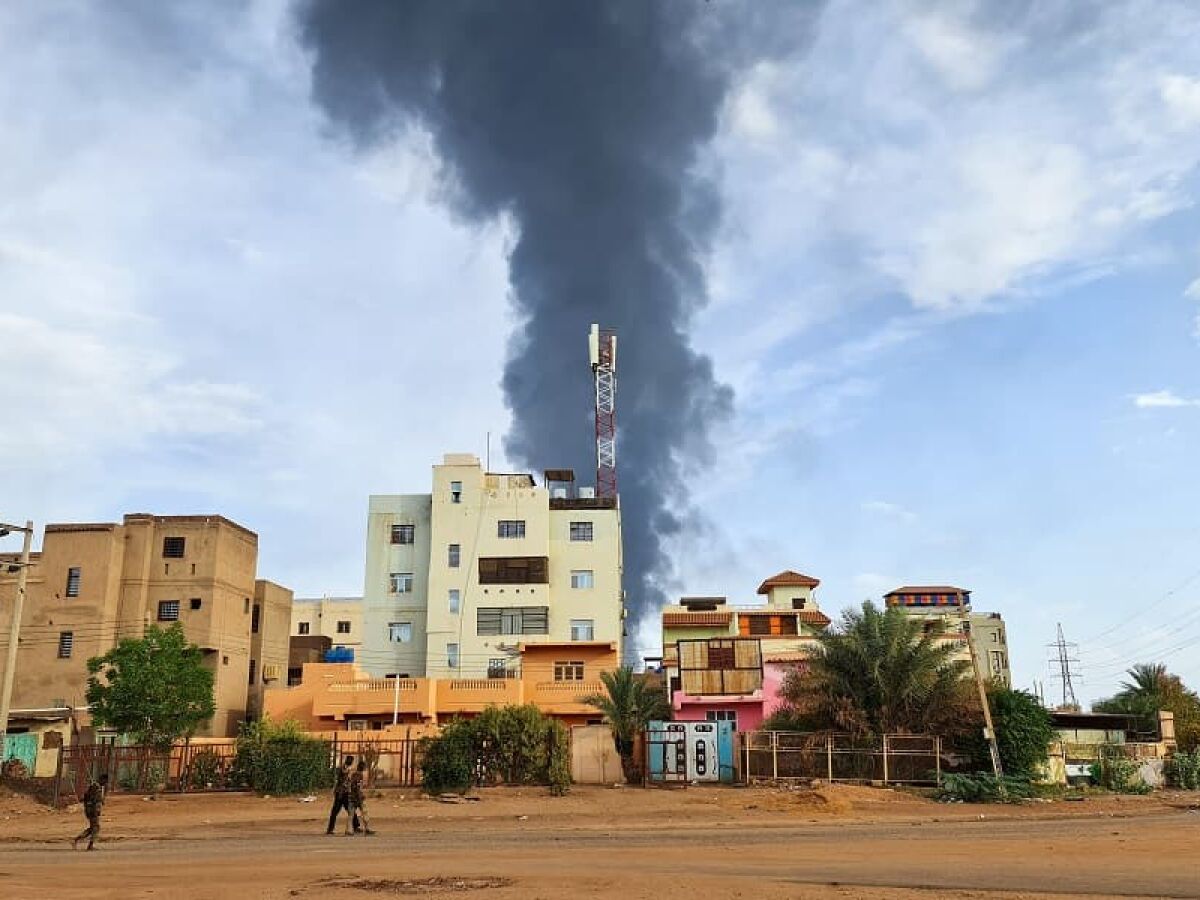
1162 400
1193 290
966 58
888 510
1182 97
872 585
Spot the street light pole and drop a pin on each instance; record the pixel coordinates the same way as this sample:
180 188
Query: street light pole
14 631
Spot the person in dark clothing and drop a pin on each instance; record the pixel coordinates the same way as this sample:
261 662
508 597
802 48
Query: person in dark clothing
93 803
358 797
341 795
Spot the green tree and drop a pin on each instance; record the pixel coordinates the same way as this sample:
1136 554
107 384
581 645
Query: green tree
880 672
1151 688
1023 732
155 688
629 703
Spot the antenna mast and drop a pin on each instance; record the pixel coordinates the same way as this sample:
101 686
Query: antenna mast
602 348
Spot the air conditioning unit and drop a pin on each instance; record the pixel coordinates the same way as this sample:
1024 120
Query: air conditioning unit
587 493
272 672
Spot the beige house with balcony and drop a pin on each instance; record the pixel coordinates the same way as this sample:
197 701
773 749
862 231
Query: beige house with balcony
91 585
983 632
458 581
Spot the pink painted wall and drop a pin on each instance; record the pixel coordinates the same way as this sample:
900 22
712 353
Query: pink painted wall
773 675
749 712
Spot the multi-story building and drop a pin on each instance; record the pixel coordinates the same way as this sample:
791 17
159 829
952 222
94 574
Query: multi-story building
984 632
92 585
270 621
321 624
459 580
713 673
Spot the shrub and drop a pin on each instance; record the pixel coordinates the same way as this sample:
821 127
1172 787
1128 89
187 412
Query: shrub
1183 770
206 769
510 744
982 787
448 760
1023 733
559 767
278 758
1119 774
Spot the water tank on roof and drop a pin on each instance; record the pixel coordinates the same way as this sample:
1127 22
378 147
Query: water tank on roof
339 655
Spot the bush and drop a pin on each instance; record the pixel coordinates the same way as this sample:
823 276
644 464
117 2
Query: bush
206 768
1023 734
1183 770
510 744
982 787
559 767
278 758
1120 775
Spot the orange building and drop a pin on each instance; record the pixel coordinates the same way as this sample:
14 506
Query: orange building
341 697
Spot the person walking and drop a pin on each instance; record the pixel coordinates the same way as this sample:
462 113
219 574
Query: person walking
358 797
341 795
93 803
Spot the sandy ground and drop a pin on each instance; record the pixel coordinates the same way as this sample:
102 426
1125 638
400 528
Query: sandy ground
625 844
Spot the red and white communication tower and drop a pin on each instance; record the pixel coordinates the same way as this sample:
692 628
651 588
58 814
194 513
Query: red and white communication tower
602 347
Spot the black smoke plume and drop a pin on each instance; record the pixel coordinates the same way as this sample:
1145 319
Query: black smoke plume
584 122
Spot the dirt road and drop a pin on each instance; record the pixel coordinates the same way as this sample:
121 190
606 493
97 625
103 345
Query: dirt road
626 844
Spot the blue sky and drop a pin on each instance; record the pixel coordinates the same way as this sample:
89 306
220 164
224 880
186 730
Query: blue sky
956 291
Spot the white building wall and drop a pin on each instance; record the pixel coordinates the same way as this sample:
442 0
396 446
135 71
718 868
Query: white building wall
382 606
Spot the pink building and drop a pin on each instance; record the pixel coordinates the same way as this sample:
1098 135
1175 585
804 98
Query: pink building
728 663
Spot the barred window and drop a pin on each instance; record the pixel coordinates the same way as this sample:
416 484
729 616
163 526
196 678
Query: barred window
66 643
404 534
168 610
73 577
581 531
173 547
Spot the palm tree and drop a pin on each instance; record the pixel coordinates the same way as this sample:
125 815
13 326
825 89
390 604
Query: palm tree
881 672
629 703
1150 688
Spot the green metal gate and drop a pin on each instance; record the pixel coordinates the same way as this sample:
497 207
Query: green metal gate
23 747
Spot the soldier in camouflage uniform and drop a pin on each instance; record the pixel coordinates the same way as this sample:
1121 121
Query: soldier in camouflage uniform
358 798
341 795
93 803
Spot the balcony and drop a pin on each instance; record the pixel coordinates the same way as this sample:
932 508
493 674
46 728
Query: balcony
563 696
369 697
472 695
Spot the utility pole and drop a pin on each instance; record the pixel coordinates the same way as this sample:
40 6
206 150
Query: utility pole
14 630
989 731
396 700
1064 659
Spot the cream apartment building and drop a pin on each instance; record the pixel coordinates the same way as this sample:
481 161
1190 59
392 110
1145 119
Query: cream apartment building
984 632
459 579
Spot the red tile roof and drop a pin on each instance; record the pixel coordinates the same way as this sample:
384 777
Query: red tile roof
786 656
788 578
696 619
813 617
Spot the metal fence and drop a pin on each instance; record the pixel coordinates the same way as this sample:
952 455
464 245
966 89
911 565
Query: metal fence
211 766
789 756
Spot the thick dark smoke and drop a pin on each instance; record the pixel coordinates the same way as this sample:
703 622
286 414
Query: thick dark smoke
583 121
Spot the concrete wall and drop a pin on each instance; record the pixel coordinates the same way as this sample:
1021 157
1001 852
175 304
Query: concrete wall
381 606
269 644
323 615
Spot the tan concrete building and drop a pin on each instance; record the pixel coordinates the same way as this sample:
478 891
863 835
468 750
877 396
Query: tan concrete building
93 584
338 618
457 580
984 632
270 627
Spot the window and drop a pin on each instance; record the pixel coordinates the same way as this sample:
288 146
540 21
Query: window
514 570
452 656
512 620
343 626
721 715
581 531
400 632
66 643
760 624
73 576
455 598
995 637
997 661
497 668
721 655
295 675
255 615
302 628
196 603
582 630
510 528
224 660
173 547
404 534
452 555
582 578
168 610
401 582
253 670
568 671
456 492
246 605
